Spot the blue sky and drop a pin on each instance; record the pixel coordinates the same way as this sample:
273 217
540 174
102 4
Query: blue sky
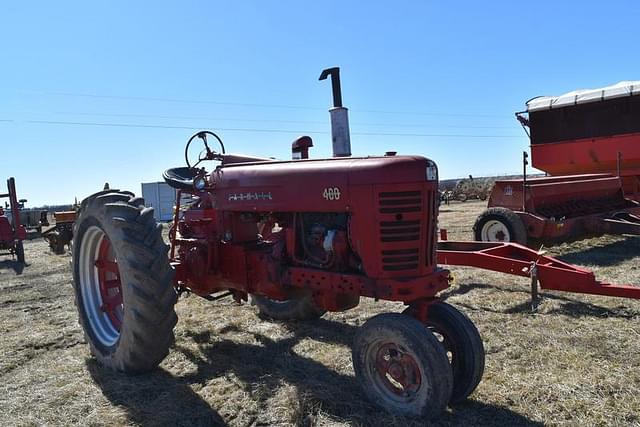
97 91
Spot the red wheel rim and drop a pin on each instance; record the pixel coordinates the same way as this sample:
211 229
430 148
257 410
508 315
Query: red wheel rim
397 370
109 283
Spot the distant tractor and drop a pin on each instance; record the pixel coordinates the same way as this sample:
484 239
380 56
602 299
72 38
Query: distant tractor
471 188
12 233
588 142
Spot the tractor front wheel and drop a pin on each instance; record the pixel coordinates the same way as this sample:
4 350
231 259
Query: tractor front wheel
402 367
463 344
123 282
299 307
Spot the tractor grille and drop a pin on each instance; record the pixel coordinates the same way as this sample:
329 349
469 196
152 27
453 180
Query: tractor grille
400 229
431 240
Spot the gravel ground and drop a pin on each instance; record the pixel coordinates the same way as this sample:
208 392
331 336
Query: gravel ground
576 361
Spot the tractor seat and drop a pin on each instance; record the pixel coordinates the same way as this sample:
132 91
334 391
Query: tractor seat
180 178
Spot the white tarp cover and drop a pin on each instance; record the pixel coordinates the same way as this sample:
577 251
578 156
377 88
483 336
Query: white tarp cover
583 96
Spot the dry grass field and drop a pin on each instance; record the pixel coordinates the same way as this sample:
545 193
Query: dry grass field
576 361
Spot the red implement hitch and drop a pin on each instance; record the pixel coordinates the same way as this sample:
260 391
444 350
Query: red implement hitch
512 258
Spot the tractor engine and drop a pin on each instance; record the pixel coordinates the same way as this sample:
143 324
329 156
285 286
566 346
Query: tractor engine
322 242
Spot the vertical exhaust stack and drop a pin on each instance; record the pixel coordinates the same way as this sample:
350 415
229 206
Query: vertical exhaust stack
340 137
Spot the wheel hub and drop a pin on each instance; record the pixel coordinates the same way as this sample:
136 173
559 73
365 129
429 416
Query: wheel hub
109 284
495 231
397 370
100 286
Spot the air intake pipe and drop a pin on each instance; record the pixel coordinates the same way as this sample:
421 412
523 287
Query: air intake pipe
339 116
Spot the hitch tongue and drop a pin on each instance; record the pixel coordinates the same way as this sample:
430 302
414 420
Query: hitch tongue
340 137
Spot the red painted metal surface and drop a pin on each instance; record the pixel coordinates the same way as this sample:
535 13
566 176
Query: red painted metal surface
110 284
588 155
547 192
298 186
518 260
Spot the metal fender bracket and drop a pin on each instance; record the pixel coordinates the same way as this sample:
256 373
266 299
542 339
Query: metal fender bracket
518 260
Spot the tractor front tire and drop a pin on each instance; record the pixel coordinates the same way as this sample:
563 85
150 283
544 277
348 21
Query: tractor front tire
402 367
500 225
299 307
20 252
123 282
463 344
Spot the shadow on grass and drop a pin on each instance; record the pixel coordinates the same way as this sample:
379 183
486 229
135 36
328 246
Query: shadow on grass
568 306
16 266
157 398
608 255
270 363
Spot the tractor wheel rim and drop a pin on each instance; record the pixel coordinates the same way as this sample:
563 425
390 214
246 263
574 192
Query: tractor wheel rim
396 373
101 286
495 231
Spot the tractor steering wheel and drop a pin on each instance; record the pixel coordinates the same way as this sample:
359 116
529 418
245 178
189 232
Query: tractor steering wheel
207 153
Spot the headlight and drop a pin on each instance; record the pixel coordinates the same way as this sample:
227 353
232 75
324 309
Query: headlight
432 172
199 183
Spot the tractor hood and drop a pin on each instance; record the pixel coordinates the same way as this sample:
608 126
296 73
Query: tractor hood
321 185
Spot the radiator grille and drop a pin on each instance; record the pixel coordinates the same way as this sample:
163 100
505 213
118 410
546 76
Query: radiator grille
431 224
399 236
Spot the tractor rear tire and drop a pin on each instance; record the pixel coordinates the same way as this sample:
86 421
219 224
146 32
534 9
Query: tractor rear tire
123 282
500 225
402 367
463 344
300 307
20 252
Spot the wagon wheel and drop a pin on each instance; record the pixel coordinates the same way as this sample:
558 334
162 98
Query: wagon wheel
500 225
401 366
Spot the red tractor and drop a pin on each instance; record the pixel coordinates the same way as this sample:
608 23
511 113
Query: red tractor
12 233
299 237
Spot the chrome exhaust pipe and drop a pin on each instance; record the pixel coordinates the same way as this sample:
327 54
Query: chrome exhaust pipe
340 135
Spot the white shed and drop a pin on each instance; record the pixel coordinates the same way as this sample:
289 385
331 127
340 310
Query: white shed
161 197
